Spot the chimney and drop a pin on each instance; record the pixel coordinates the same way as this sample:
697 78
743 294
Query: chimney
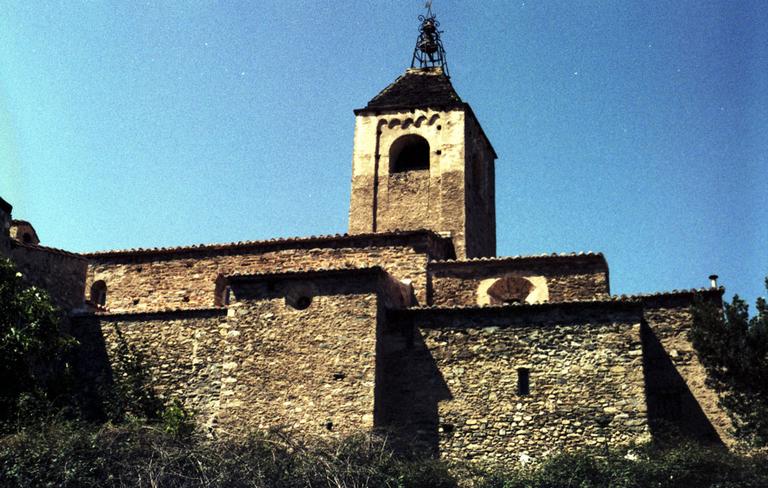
713 281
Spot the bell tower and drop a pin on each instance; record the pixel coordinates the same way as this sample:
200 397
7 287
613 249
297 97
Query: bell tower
421 159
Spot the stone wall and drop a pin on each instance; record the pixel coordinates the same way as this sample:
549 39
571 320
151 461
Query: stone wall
183 353
461 393
568 277
186 278
61 273
678 394
311 371
263 363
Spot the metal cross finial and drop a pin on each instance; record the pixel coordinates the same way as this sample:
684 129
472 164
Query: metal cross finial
429 52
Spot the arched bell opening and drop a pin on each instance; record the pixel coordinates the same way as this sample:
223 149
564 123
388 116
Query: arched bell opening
409 153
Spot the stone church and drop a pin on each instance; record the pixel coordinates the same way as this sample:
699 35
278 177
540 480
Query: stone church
409 323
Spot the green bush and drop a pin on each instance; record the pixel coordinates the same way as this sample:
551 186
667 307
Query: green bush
34 373
72 454
734 350
684 466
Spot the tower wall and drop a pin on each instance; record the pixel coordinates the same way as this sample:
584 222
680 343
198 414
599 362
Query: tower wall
454 194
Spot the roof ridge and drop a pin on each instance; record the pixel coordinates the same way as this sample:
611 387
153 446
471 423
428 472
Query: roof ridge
682 291
273 240
510 306
304 271
49 249
520 257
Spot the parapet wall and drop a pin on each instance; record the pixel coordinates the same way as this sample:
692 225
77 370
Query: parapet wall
563 277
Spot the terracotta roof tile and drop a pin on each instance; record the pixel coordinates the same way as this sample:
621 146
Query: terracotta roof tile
503 259
264 243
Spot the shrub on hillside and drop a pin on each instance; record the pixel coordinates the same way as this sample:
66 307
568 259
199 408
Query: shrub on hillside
687 465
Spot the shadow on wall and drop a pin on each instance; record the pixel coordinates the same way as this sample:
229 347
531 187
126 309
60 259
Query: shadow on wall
673 411
109 390
406 403
94 379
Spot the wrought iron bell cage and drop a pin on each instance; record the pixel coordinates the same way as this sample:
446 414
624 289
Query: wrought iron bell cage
429 51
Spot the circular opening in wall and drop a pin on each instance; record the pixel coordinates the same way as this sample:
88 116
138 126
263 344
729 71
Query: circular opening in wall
300 302
439 127
303 303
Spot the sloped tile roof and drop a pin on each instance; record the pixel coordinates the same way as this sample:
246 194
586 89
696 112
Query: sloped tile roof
417 88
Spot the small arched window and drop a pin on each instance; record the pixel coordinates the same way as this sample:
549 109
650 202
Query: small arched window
409 153
509 290
99 293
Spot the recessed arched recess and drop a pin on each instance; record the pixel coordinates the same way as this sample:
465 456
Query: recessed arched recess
409 153
510 289
99 293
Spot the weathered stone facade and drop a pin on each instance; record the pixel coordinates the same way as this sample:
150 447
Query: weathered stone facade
409 324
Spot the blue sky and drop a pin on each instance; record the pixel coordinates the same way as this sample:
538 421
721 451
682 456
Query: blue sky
639 129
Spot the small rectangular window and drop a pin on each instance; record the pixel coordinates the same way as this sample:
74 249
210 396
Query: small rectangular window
523 381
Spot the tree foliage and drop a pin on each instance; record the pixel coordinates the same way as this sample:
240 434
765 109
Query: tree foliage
33 348
734 349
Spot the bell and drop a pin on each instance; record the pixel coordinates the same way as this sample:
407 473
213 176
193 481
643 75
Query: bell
428 46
